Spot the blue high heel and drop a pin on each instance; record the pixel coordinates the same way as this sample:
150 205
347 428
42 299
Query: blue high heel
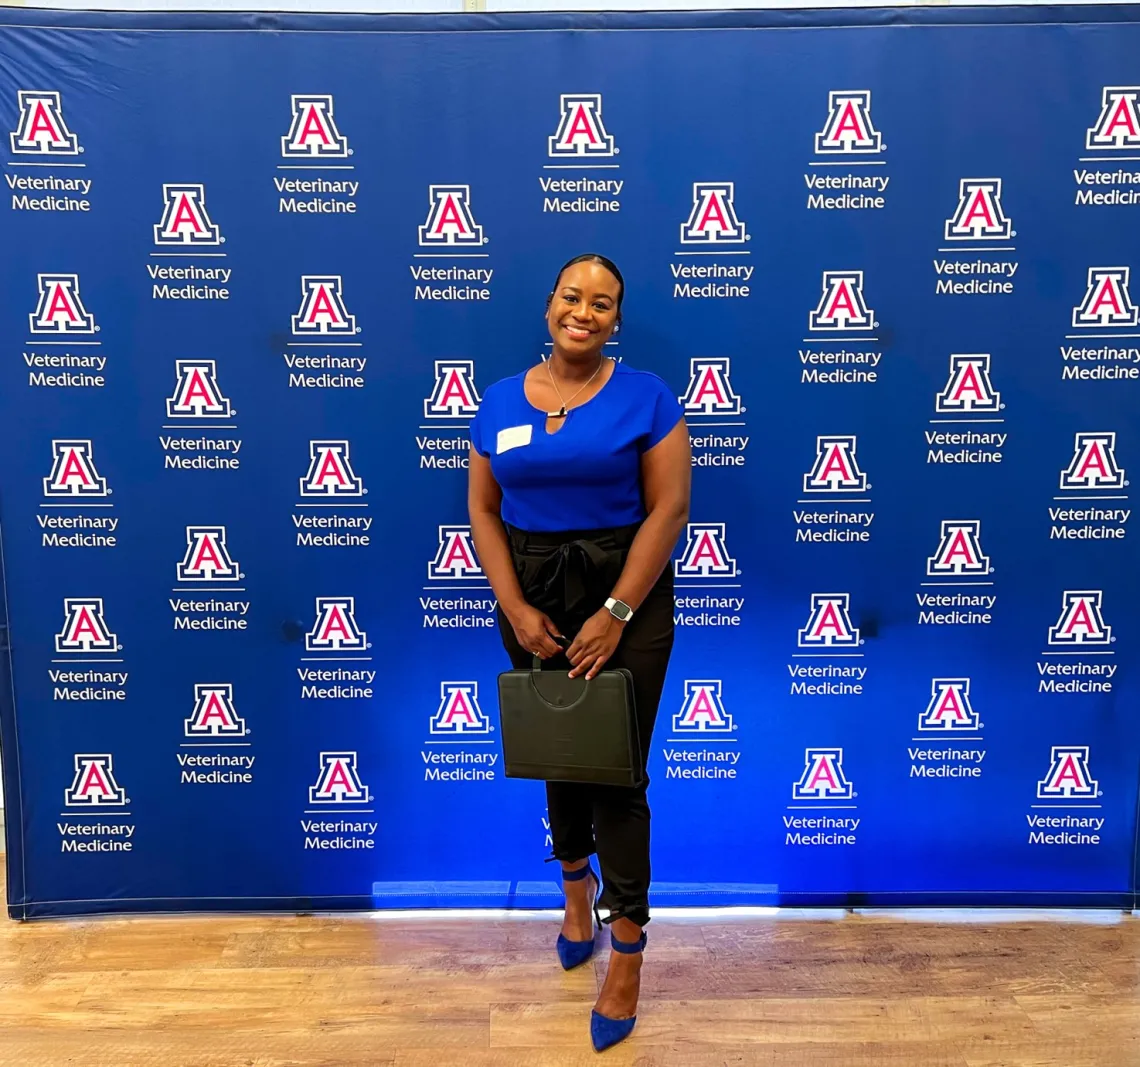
605 1031
572 954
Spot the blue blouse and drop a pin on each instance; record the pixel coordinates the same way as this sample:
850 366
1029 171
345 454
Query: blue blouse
587 476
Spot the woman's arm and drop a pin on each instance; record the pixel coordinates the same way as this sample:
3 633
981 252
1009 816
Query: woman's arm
533 629
666 474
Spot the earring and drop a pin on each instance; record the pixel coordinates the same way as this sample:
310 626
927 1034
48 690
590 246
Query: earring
617 327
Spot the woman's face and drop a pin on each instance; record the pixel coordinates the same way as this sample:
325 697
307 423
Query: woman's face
584 309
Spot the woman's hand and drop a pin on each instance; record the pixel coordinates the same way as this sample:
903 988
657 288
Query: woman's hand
535 631
594 644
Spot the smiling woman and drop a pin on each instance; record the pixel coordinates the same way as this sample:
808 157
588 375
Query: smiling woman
578 491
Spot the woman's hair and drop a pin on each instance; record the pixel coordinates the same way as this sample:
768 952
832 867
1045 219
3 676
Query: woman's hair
592 257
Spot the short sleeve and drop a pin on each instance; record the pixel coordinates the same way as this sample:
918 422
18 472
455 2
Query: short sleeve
475 429
667 413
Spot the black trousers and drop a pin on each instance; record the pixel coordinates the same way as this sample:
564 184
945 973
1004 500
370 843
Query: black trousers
569 575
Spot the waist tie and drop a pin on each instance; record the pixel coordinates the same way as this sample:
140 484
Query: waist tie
569 579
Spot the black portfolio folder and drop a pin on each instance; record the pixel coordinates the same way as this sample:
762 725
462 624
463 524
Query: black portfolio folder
564 729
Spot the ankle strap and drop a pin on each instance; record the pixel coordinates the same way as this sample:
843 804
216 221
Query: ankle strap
628 947
578 875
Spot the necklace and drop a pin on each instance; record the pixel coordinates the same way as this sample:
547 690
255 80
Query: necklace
562 411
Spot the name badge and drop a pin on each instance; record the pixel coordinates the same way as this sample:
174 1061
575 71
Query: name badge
512 437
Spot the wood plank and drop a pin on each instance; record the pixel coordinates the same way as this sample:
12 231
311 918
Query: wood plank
636 1053
368 991
1066 1015
734 1022
32 1048
1098 1051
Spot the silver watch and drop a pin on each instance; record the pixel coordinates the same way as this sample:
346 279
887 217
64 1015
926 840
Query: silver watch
619 609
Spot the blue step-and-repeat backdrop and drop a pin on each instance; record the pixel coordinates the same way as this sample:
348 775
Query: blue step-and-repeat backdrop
255 279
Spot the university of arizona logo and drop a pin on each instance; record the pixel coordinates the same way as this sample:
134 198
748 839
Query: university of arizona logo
322 308
848 130
705 555
979 216
829 623
214 714
84 627
94 784
196 392
330 472
454 395
335 629
1068 777
1118 125
41 129
710 391
338 781
1093 465
703 710
823 777
713 220
842 306
73 473
968 389
207 558
836 470
455 559
450 223
1081 624
185 221
313 133
459 711
949 710
581 134
959 550
60 309
1106 301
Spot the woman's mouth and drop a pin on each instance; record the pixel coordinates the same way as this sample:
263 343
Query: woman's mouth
578 333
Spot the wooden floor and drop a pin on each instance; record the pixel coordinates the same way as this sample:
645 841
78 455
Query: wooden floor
791 991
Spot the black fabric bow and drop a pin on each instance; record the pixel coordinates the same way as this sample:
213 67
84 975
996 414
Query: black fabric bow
572 582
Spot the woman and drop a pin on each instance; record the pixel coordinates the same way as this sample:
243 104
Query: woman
578 491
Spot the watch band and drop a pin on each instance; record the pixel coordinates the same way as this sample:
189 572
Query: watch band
619 609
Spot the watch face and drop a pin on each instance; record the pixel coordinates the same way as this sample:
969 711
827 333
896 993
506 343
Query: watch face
621 611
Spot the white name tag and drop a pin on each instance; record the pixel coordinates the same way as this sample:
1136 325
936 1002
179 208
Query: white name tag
512 437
